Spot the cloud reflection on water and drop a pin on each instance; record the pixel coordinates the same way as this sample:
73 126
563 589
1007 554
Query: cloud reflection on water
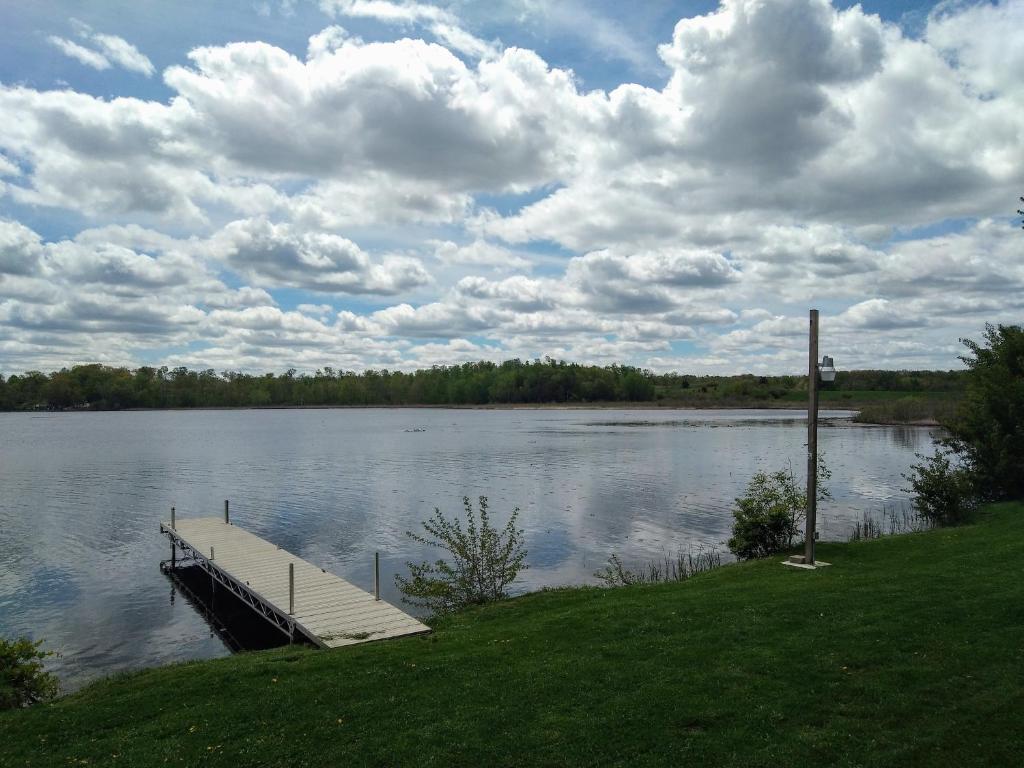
84 494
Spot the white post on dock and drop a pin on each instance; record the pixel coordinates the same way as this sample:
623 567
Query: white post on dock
291 589
376 575
227 519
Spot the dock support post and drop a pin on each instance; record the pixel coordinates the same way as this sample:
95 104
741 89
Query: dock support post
376 575
227 518
291 589
174 549
211 553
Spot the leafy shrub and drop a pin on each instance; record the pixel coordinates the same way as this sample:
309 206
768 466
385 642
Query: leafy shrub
484 561
944 494
680 568
768 516
23 681
988 431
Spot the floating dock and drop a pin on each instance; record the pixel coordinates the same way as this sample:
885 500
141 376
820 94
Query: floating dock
299 598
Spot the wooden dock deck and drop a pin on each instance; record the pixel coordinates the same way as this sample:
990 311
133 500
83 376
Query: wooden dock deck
296 596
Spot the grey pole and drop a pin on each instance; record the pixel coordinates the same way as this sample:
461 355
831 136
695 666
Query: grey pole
227 519
211 553
376 575
291 589
172 518
812 440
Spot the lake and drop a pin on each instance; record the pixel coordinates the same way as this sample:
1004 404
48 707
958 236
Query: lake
83 495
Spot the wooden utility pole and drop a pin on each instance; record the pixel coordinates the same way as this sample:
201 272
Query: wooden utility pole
812 440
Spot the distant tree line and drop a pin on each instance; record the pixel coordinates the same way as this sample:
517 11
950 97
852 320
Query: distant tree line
101 387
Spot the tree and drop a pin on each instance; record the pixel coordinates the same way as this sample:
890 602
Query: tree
23 681
943 492
484 561
987 432
767 517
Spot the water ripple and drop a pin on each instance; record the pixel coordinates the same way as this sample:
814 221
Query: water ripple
84 494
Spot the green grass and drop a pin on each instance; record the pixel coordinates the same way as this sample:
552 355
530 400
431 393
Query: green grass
909 651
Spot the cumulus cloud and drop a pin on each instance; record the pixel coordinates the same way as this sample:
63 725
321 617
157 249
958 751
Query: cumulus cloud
857 125
275 254
99 157
982 41
89 314
246 296
983 260
519 293
315 310
737 70
436 319
374 199
406 120
673 267
407 108
881 314
793 154
117 268
7 168
20 249
481 253
326 41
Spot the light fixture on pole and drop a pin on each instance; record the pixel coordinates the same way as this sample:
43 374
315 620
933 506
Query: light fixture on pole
827 373
826 370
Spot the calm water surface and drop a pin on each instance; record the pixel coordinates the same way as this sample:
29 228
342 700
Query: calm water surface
82 495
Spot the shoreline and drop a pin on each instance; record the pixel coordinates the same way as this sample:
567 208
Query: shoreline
611 406
853 410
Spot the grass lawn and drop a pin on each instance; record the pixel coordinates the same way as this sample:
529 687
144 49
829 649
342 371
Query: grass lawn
909 651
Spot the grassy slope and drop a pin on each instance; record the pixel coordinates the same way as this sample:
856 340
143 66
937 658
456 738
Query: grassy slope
909 651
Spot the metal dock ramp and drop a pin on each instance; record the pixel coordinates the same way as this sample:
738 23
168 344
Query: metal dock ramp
291 593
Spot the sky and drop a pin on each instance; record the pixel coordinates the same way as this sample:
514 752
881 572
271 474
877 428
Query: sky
270 184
